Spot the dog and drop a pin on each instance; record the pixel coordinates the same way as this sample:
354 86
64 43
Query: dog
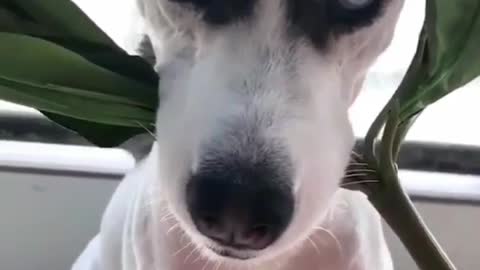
252 141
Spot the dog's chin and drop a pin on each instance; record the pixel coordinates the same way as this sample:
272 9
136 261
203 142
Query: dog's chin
217 252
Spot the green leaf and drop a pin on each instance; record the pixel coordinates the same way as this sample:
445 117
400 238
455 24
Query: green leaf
92 107
61 63
71 85
50 78
111 136
73 30
45 62
450 54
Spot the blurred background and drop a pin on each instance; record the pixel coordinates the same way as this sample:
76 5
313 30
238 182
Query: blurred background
54 186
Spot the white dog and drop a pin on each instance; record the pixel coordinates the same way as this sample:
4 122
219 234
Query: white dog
253 140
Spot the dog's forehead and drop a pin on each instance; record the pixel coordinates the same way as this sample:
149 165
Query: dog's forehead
315 19
222 12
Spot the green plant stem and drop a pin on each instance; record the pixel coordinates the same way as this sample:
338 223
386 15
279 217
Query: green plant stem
393 203
409 83
398 211
371 137
400 135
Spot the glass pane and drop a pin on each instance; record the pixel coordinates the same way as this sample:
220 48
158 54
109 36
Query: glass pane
451 120
438 124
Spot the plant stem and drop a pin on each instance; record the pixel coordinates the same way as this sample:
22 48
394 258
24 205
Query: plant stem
409 83
398 211
393 203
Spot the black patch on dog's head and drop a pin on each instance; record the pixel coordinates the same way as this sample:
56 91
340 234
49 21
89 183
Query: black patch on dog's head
222 12
320 19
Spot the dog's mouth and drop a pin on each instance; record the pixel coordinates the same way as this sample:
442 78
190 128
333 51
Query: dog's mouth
230 254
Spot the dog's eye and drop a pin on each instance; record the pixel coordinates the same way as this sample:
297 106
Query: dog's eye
355 4
350 14
320 19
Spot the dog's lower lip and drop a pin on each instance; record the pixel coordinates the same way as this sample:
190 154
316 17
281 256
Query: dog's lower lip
229 254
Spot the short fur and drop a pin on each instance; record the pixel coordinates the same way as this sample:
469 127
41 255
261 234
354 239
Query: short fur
268 80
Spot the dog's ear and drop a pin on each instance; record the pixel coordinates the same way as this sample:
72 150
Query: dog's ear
167 18
145 50
138 146
168 30
153 9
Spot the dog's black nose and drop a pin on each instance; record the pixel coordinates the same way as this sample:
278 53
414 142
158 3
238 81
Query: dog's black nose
244 214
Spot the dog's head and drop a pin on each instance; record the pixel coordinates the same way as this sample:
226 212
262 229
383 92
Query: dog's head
253 129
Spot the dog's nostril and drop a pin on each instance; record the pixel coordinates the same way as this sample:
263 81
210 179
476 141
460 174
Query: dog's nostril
208 221
211 227
258 231
257 237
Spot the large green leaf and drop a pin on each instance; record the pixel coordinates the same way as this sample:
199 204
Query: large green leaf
40 61
447 57
111 135
71 85
53 58
76 103
62 22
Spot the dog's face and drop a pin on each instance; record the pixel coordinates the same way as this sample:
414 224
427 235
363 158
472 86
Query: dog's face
253 129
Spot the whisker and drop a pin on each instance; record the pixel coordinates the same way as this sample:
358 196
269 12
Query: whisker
164 216
219 263
356 154
335 239
355 175
146 129
167 216
359 171
314 245
174 227
182 249
199 257
184 237
205 266
359 182
356 163
195 248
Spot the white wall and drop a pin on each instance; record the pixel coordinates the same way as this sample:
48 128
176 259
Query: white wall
456 228
46 221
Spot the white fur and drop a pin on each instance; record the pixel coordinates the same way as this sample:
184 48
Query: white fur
292 93
138 232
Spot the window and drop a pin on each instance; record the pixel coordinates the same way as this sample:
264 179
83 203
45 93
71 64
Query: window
432 145
448 121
